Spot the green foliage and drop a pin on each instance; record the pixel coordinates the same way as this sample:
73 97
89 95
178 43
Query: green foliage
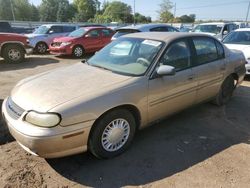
187 19
86 9
165 11
119 12
142 19
5 10
63 11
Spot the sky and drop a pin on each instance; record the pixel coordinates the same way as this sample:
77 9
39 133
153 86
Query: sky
204 9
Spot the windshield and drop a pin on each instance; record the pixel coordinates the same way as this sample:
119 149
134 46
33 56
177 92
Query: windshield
124 32
127 56
238 37
78 33
41 30
216 29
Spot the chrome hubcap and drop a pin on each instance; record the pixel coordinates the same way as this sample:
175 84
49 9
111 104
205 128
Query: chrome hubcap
14 54
78 52
41 48
115 135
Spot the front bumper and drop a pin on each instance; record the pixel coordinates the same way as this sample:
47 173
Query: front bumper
65 50
48 142
248 69
29 50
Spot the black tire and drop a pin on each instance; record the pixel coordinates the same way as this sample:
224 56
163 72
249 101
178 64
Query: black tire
226 91
96 142
78 51
41 48
13 53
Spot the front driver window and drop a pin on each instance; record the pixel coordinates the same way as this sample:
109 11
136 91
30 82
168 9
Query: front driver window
177 55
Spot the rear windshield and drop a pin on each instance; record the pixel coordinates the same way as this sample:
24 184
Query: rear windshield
124 32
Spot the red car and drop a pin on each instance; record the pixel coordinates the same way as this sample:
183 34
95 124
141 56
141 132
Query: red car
13 47
82 40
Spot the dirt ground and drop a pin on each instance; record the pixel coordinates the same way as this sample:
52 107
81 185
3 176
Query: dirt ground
204 146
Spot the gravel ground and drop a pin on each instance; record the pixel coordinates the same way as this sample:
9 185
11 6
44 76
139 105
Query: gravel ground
204 146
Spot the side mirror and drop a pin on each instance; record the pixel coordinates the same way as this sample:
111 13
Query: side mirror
165 70
225 32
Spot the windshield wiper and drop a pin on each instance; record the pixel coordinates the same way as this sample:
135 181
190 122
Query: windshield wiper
104 68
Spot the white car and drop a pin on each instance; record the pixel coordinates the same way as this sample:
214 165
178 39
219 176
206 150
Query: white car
216 29
240 40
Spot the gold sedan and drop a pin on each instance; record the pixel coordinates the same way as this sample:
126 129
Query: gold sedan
131 83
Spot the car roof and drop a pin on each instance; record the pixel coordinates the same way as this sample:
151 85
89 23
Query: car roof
243 29
49 25
94 27
143 27
163 36
215 23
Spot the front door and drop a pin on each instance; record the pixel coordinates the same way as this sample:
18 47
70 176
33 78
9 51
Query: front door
92 40
169 94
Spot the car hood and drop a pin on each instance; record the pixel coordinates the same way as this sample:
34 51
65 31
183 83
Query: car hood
48 90
63 39
32 35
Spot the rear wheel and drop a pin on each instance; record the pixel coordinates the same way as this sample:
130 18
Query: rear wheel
112 134
226 91
78 51
41 48
13 53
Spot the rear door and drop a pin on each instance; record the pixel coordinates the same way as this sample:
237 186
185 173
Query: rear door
93 40
106 36
169 94
209 66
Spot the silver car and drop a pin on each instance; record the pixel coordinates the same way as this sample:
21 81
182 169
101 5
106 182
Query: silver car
143 28
44 35
133 82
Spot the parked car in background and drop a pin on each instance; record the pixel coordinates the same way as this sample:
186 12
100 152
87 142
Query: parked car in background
216 29
134 81
43 36
240 40
13 47
82 40
241 25
5 27
143 28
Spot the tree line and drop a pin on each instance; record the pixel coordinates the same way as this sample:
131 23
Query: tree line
83 11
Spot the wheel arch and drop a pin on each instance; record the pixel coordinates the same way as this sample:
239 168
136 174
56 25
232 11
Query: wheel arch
4 45
131 108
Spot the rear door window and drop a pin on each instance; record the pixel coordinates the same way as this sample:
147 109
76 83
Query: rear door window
56 29
69 29
106 32
159 29
206 50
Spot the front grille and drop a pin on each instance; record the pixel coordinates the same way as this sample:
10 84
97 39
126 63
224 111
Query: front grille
56 44
13 109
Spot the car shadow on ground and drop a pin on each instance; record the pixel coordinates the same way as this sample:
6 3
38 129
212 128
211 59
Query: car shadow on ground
86 56
5 136
30 62
167 148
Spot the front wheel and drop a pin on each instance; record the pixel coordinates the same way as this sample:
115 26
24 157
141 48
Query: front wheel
13 53
78 51
226 91
41 48
112 134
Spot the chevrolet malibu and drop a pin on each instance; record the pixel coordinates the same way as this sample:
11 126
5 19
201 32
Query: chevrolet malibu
138 79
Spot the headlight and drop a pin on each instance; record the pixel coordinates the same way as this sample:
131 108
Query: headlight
43 119
27 41
65 43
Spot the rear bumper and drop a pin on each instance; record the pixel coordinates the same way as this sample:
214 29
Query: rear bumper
248 69
48 142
